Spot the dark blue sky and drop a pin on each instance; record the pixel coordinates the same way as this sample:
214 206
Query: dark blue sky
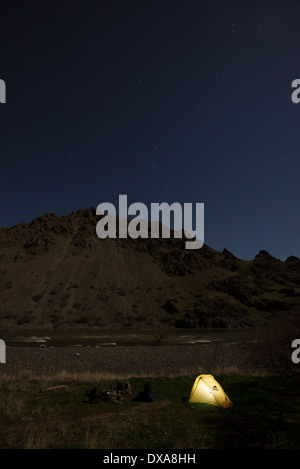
186 101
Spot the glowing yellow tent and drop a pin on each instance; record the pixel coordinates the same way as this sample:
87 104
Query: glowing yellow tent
207 390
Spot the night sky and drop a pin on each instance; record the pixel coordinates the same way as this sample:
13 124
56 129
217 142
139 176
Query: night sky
186 101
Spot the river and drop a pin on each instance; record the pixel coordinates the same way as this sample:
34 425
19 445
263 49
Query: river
121 337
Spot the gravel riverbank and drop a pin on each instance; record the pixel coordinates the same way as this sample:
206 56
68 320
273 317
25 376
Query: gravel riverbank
126 361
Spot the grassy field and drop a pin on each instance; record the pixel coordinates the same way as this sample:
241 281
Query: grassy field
266 414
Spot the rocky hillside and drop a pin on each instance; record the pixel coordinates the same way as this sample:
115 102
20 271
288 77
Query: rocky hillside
55 272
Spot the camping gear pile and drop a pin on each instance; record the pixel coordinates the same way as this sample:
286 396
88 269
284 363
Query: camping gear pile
120 392
117 392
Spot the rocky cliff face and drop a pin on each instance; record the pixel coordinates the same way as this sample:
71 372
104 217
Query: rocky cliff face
55 272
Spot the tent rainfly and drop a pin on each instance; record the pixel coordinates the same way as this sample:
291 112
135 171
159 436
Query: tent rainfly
207 390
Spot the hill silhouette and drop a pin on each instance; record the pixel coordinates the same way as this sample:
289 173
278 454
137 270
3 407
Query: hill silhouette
56 273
